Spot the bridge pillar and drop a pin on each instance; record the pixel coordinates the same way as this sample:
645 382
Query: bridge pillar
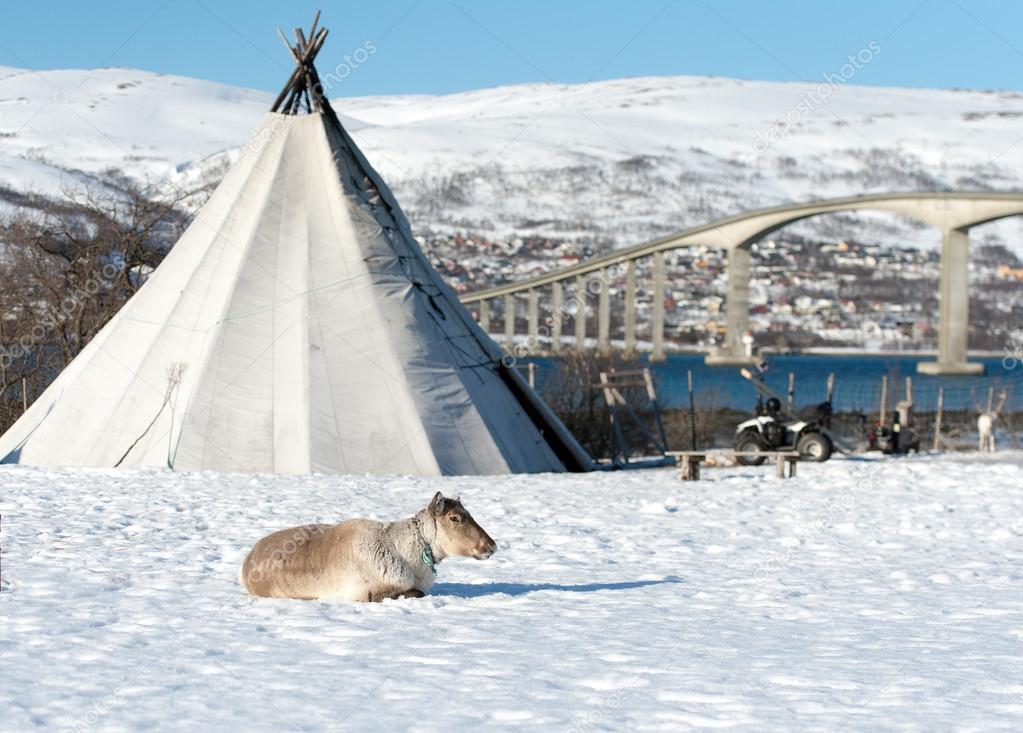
580 313
509 322
485 316
954 314
657 317
630 307
533 314
733 351
604 313
557 316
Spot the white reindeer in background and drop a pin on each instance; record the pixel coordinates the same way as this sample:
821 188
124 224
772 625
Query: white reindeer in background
986 422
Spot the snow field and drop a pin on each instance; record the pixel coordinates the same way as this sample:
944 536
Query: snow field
863 595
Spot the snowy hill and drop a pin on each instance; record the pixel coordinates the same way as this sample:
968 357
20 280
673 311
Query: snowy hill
617 162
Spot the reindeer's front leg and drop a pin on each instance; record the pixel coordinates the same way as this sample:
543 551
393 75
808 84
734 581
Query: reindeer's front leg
393 592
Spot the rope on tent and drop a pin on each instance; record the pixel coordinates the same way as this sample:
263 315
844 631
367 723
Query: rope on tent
174 372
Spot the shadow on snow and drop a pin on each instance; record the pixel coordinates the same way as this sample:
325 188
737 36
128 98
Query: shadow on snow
475 590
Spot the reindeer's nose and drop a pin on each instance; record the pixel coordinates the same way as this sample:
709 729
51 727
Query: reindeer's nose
489 548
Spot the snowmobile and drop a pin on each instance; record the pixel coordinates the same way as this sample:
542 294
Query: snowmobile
898 439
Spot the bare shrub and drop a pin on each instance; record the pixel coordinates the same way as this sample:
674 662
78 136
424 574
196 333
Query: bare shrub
573 394
68 267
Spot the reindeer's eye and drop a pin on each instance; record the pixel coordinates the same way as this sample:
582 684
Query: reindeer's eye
455 518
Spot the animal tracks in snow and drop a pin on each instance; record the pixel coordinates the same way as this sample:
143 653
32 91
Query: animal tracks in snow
863 594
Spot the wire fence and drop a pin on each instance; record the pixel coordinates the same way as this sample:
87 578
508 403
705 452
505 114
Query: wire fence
942 412
942 416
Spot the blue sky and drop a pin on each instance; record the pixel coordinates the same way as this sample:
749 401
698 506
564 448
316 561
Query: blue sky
437 46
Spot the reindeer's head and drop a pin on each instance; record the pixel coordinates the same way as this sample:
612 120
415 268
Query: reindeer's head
457 531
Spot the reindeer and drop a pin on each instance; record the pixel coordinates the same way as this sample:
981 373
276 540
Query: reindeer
986 422
363 560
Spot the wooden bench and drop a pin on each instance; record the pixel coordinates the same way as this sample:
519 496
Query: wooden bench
691 460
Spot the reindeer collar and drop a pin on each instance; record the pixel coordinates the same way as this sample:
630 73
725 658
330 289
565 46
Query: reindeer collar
427 554
428 559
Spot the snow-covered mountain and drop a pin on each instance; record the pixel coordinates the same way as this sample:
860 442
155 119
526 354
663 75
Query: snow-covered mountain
616 162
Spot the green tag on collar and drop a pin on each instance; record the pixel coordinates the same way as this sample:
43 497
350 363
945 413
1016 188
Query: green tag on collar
428 559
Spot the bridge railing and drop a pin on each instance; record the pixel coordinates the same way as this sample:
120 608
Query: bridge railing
576 295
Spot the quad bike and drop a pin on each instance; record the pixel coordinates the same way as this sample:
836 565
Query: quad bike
774 429
778 428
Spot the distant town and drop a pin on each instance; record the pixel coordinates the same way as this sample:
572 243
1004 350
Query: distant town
803 294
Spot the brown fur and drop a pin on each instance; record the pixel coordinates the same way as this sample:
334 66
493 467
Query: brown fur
363 560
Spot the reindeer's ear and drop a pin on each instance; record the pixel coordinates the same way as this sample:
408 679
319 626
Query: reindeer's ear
438 503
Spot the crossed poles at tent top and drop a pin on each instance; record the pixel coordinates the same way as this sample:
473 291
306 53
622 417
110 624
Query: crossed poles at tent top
304 87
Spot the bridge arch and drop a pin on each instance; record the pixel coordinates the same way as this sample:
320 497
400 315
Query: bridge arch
952 217
952 213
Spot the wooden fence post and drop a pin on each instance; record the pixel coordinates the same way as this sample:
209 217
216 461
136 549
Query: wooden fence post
882 413
692 410
937 419
1009 421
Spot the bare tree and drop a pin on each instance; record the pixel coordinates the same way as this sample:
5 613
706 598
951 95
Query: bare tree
68 267
573 393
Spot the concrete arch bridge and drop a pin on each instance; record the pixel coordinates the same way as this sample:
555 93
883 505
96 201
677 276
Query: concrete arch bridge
952 213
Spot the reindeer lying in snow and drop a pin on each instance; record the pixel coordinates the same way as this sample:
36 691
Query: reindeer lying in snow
363 560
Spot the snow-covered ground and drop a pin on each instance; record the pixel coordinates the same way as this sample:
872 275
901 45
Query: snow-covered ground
866 594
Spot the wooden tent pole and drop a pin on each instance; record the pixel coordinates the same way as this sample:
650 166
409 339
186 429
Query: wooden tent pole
300 44
313 91
317 87
316 22
317 90
299 76
305 59
284 92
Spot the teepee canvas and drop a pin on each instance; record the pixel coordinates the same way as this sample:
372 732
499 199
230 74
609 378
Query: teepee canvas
296 327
